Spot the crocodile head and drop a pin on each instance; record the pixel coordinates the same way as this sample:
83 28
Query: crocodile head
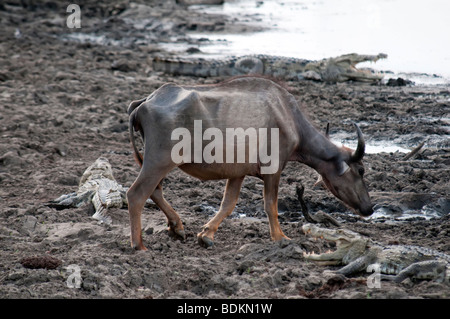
343 68
101 168
349 245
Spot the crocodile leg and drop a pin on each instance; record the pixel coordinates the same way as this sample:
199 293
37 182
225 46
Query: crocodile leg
104 199
325 259
355 266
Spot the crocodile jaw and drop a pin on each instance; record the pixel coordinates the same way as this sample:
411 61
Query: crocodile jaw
366 75
325 259
343 68
343 238
339 235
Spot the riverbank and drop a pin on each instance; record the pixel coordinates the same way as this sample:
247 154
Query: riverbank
63 104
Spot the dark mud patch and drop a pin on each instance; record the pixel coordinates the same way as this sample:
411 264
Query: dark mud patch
37 262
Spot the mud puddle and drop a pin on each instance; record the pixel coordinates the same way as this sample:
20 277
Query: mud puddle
385 215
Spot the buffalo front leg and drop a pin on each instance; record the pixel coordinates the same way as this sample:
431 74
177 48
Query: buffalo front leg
271 205
229 200
176 229
142 188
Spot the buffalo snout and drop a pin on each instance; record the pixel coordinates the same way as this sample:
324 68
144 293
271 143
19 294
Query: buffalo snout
366 211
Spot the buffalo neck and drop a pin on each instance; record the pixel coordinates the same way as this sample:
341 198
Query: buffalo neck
314 148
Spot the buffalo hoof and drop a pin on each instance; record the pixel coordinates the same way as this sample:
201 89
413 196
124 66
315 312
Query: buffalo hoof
137 243
177 234
139 247
205 241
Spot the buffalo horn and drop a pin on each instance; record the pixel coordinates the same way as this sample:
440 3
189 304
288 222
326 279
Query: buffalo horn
358 154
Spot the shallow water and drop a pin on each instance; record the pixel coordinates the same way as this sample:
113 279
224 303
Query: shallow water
373 147
413 33
384 214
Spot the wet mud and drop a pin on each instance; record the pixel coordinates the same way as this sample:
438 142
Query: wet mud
63 104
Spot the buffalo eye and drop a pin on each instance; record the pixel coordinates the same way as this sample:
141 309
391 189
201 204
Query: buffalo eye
361 171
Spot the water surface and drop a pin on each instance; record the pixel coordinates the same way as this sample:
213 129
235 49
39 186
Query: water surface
414 34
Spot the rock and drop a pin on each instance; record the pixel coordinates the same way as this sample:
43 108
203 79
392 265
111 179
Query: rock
124 65
192 50
12 158
399 82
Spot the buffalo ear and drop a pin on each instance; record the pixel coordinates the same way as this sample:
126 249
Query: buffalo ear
343 168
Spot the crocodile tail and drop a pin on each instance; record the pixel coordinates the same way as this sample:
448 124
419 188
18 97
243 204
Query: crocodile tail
179 67
199 67
135 126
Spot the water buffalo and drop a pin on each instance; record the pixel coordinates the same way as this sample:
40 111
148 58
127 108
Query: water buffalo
169 122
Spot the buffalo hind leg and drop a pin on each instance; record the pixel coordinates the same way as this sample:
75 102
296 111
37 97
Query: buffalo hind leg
144 186
230 198
271 205
176 229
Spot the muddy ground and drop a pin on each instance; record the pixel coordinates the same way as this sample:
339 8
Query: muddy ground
63 104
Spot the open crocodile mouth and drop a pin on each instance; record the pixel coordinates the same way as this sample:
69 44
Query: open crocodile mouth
343 239
361 74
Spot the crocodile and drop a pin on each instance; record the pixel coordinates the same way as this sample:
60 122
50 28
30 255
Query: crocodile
395 262
337 69
97 186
